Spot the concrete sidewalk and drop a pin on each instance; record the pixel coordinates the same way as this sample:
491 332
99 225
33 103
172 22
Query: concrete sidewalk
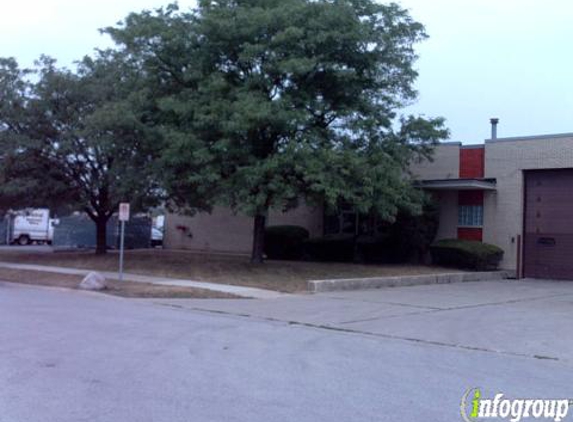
246 292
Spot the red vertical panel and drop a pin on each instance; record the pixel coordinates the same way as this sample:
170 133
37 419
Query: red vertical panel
472 163
468 233
472 166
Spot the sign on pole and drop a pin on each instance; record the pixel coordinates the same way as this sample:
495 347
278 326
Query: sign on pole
123 217
124 211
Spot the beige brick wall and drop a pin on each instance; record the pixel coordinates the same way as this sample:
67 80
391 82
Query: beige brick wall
448 203
220 231
223 231
505 160
306 216
445 164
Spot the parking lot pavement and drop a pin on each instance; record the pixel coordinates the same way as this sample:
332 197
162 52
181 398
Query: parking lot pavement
527 317
385 355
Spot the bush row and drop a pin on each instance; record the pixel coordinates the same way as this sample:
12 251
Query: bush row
285 242
406 239
293 243
466 254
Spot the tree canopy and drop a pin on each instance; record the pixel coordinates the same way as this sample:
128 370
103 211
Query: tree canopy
250 104
78 138
266 103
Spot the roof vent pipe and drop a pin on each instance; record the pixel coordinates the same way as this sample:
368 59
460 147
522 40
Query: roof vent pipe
494 121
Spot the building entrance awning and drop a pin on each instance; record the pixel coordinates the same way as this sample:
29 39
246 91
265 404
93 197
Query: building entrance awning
458 184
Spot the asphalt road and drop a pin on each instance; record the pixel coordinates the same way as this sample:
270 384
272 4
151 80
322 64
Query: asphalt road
403 354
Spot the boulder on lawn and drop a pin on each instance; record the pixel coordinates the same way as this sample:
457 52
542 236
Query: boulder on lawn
93 281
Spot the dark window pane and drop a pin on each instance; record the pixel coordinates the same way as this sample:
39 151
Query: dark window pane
332 224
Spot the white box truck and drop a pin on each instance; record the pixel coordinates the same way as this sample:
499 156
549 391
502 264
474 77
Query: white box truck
32 225
157 231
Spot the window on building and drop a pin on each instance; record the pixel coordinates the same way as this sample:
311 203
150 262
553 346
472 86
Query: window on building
470 215
347 221
343 222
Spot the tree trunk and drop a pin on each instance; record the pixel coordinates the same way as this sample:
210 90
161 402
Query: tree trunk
258 239
101 235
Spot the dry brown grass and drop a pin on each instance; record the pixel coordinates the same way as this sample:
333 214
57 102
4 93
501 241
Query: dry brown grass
284 276
123 289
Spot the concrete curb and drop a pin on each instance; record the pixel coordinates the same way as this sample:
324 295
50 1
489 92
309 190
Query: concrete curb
317 286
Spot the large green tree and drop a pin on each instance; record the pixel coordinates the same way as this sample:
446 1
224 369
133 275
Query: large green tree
79 138
266 103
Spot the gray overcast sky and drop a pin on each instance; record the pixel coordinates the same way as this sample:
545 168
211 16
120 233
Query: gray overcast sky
489 58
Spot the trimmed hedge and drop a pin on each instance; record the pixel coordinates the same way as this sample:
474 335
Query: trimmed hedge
285 242
466 254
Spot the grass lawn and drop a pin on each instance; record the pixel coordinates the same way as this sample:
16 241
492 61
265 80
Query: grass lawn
124 289
283 276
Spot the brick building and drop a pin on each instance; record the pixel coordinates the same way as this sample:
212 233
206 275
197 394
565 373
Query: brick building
516 193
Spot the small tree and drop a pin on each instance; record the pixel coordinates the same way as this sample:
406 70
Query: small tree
269 102
77 138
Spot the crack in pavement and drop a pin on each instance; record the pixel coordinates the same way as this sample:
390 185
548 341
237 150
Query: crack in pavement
506 302
454 308
432 310
406 305
368 333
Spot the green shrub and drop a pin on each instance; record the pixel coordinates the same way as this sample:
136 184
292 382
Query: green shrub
334 247
412 235
350 248
374 249
406 239
466 254
285 242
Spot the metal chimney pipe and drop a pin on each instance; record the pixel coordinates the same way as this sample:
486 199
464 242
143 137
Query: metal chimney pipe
494 121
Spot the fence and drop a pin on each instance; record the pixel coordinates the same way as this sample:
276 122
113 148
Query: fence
4 223
80 232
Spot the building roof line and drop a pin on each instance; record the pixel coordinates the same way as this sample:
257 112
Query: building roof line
530 138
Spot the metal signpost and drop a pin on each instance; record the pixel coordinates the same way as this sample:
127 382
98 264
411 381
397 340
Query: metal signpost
123 217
